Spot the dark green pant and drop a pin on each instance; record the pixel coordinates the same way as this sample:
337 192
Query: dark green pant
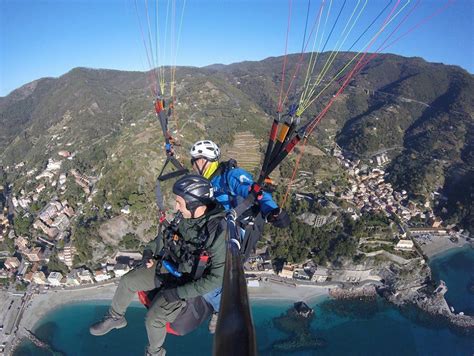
160 311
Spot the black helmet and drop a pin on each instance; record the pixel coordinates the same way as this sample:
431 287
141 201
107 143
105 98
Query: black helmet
195 190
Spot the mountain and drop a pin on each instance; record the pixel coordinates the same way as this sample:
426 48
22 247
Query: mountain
418 113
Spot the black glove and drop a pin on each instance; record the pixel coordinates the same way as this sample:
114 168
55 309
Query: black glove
171 295
278 218
147 255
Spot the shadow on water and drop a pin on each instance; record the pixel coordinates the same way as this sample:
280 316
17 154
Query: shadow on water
296 324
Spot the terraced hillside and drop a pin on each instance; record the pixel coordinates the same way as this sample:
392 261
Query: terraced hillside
246 150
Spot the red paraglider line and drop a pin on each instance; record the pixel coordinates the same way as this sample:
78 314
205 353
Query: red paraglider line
358 67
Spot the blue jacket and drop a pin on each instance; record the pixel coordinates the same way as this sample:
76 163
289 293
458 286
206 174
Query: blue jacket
232 186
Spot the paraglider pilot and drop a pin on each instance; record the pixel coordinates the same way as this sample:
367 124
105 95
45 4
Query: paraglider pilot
174 265
231 184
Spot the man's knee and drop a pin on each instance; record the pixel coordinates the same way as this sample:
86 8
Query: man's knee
155 318
133 281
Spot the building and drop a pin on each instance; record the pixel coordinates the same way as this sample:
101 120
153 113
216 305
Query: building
435 222
28 277
69 253
24 202
85 276
21 243
55 278
129 258
101 275
52 232
33 254
45 174
320 275
62 179
81 180
404 245
64 154
39 278
12 263
53 165
68 211
428 230
253 283
72 279
301 274
287 271
120 269
49 212
61 222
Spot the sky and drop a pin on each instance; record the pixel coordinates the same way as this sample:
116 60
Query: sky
47 38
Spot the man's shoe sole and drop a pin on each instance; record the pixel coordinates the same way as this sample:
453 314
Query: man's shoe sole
106 332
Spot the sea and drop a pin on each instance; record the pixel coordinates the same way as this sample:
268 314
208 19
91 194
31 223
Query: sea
357 327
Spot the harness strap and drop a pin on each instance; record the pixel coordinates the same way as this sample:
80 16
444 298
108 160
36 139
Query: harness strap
201 265
213 227
180 170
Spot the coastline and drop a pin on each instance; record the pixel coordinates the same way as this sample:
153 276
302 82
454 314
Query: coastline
440 245
42 304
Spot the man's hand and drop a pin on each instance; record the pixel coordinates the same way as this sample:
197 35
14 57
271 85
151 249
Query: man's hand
150 263
147 259
278 218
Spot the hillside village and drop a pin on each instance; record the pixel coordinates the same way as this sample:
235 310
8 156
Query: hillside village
43 254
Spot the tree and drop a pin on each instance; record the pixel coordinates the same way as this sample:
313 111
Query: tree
22 224
130 242
55 265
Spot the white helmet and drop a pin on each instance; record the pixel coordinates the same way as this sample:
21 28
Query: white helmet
205 149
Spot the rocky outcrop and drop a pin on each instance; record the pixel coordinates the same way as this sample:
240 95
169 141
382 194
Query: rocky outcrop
353 293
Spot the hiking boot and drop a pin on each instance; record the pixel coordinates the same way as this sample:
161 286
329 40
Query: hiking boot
108 323
162 352
213 323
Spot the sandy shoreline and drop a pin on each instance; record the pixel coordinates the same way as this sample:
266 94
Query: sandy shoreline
438 245
42 304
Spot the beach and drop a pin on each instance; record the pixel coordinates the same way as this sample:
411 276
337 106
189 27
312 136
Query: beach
440 244
42 304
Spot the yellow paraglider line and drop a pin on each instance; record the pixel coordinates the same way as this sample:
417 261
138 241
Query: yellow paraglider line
365 49
334 54
173 76
311 63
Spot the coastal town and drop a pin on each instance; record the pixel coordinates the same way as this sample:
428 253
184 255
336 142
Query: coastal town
40 258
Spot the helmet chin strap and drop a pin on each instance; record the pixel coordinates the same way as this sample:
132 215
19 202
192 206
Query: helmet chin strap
203 169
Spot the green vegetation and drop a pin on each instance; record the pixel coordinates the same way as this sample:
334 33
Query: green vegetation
55 265
84 233
367 225
3 177
326 244
22 224
130 242
89 112
8 244
21 287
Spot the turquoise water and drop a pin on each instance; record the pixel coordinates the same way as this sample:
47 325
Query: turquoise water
456 268
348 327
